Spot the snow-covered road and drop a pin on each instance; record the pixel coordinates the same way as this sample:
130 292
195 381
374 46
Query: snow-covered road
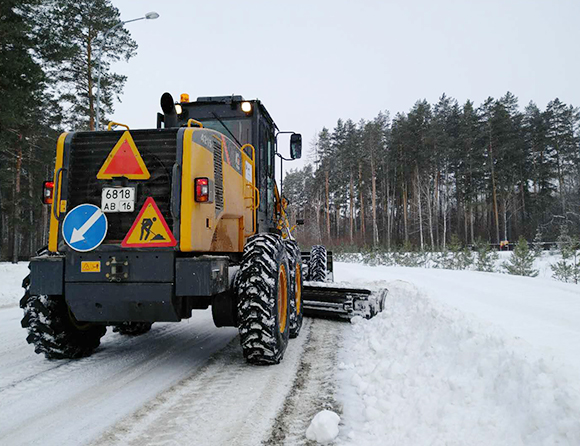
456 358
70 402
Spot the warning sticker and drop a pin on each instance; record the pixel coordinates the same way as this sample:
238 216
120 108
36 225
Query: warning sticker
149 229
91 267
124 161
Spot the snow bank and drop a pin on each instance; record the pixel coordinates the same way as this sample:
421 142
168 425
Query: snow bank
11 276
324 427
423 373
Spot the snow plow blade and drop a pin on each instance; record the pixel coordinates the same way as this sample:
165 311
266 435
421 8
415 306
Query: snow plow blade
332 301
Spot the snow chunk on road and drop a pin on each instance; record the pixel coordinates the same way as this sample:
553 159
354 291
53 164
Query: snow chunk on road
324 427
424 373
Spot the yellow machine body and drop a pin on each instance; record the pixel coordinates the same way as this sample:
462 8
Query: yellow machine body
204 227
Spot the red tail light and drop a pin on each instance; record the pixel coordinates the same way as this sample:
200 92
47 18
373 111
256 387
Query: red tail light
47 192
202 190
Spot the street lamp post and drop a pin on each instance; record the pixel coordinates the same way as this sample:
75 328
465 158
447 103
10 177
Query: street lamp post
148 16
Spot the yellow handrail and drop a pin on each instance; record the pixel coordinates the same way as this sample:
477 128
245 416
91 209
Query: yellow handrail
253 151
255 197
193 121
111 124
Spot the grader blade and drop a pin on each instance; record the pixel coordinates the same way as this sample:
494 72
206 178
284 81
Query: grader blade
333 301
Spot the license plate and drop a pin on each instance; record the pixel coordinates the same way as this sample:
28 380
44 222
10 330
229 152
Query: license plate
118 199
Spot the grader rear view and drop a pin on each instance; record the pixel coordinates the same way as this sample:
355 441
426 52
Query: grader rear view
148 225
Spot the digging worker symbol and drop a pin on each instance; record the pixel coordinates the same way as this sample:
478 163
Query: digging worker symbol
146 225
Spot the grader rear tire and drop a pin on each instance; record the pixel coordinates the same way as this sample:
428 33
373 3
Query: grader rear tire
53 330
317 264
263 310
295 287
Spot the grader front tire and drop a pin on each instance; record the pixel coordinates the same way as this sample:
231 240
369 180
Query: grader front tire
263 309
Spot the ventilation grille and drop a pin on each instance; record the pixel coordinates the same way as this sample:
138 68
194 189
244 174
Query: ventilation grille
89 151
218 176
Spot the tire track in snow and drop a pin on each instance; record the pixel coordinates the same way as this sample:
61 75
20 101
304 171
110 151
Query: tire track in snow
226 402
314 387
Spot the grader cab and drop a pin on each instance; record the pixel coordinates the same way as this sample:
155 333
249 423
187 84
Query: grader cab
148 225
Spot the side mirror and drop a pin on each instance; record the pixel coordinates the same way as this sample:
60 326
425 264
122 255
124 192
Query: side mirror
295 146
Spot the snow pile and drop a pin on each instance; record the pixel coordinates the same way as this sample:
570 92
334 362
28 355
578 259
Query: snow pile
324 427
423 373
11 276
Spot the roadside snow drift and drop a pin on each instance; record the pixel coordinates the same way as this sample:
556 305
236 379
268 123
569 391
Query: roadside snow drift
423 373
11 276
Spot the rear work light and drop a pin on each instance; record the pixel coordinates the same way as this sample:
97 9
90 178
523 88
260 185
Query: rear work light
203 190
47 192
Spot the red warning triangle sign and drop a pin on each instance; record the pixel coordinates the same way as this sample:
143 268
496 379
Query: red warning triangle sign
149 229
124 161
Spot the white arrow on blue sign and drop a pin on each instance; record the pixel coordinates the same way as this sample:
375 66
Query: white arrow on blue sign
85 227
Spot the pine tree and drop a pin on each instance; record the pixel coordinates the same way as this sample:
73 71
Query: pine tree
81 26
537 243
486 257
521 261
27 116
567 269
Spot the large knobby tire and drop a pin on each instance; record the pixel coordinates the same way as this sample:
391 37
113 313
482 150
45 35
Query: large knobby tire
53 330
317 264
295 287
132 328
263 310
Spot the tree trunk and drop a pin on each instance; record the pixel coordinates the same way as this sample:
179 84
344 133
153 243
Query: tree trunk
16 210
430 215
362 204
405 216
505 228
445 210
374 204
437 205
90 84
327 209
34 229
388 210
494 191
351 208
419 208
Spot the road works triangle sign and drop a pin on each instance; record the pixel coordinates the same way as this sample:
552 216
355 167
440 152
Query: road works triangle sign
149 229
124 161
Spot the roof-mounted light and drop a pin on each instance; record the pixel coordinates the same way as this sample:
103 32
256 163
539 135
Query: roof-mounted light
178 109
247 107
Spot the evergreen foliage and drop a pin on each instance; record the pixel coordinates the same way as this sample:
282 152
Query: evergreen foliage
491 171
47 84
537 243
521 261
80 26
486 257
567 269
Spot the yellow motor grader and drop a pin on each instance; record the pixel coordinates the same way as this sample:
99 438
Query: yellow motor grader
148 225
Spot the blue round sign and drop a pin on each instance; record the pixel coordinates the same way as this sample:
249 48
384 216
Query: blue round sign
85 227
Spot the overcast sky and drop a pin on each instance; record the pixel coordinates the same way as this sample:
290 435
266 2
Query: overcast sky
312 62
